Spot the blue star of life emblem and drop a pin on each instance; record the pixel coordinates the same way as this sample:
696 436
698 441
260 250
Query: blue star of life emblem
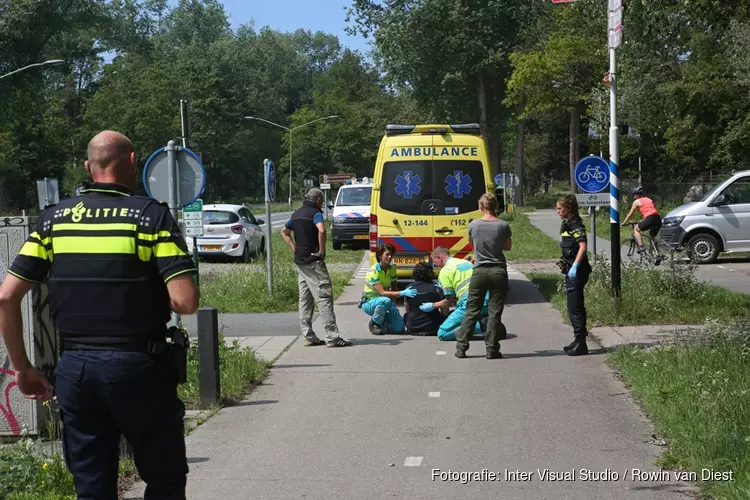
458 184
408 185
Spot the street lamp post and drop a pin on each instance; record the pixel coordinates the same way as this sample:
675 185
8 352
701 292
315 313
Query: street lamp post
290 130
45 63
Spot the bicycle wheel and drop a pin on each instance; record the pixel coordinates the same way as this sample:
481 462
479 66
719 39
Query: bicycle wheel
629 251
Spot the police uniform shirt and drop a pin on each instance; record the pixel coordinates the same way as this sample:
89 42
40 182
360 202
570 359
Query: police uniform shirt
109 255
573 232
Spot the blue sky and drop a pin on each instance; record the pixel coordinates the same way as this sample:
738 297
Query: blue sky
289 15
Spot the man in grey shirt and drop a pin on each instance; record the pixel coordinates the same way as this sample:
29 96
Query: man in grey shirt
490 237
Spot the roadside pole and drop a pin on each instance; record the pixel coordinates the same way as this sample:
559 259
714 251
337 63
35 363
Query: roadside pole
615 40
269 182
185 123
173 202
593 229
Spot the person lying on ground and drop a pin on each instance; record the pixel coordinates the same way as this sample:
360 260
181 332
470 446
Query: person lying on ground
419 322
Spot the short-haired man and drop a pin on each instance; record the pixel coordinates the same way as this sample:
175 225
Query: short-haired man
455 276
309 247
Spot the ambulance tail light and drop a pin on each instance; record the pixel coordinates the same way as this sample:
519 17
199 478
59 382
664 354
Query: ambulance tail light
373 233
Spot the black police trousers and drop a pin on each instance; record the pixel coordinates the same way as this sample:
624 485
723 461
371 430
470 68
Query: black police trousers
104 395
576 305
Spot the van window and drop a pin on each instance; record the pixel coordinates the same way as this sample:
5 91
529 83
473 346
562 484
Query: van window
738 192
457 184
352 197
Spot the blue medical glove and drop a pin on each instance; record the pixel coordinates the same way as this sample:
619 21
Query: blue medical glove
427 307
573 271
409 292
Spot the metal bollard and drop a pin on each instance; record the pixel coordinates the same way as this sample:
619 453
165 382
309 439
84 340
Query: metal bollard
208 356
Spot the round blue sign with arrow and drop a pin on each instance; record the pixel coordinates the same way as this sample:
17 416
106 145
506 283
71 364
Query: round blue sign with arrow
271 180
591 174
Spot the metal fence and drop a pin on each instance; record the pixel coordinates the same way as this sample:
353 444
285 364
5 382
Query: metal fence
669 194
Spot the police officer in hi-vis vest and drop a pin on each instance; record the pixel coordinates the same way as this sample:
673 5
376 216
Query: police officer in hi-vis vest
115 265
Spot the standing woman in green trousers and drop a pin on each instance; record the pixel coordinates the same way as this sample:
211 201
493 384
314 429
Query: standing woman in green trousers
489 236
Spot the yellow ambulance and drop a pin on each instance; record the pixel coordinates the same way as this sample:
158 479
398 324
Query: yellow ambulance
426 188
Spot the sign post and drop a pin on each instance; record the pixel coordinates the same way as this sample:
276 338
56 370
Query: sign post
193 219
48 192
175 175
269 174
591 177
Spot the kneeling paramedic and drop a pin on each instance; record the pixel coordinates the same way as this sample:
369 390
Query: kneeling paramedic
380 292
454 278
115 264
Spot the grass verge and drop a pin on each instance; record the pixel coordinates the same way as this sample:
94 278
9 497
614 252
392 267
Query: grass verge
529 242
697 394
648 296
28 474
244 290
240 368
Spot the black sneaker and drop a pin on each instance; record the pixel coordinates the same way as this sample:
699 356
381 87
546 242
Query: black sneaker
375 329
339 342
460 354
494 355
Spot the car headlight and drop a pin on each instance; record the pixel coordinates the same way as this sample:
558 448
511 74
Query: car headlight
672 221
338 220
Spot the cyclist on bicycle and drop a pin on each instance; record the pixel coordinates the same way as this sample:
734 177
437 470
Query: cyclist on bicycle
650 218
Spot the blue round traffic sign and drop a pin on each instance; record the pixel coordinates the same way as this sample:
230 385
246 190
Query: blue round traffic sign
191 175
271 176
591 174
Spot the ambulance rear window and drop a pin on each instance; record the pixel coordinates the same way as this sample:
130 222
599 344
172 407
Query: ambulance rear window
457 184
405 185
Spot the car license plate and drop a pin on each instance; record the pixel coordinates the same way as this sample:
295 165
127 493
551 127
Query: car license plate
361 236
212 247
408 260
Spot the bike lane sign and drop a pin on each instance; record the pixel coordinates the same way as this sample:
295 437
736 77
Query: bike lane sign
591 174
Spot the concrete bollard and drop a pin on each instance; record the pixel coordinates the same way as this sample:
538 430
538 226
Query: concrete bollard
208 356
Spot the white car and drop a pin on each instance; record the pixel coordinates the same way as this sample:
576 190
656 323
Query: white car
230 231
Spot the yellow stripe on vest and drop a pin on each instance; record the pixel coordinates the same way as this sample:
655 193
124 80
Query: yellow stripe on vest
167 249
34 249
83 226
94 244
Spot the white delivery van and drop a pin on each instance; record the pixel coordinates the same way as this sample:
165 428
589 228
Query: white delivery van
351 214
719 222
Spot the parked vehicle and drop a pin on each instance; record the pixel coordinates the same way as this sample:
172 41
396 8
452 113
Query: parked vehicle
351 214
427 184
230 231
719 222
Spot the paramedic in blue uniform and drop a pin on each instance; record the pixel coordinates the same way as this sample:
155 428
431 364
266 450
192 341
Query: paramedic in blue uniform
115 265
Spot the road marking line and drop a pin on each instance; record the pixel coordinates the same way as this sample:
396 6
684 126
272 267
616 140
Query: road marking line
433 394
413 461
721 267
440 353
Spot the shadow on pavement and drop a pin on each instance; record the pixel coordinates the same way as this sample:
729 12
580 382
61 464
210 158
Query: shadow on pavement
257 402
197 460
299 366
395 341
548 353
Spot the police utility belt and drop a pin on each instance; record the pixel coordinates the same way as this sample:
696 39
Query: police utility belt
174 347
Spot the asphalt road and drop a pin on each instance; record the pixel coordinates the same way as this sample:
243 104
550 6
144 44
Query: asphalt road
731 273
386 417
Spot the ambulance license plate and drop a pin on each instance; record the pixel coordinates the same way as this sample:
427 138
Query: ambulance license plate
361 236
408 260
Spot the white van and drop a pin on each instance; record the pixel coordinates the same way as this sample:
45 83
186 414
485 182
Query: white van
720 222
351 214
